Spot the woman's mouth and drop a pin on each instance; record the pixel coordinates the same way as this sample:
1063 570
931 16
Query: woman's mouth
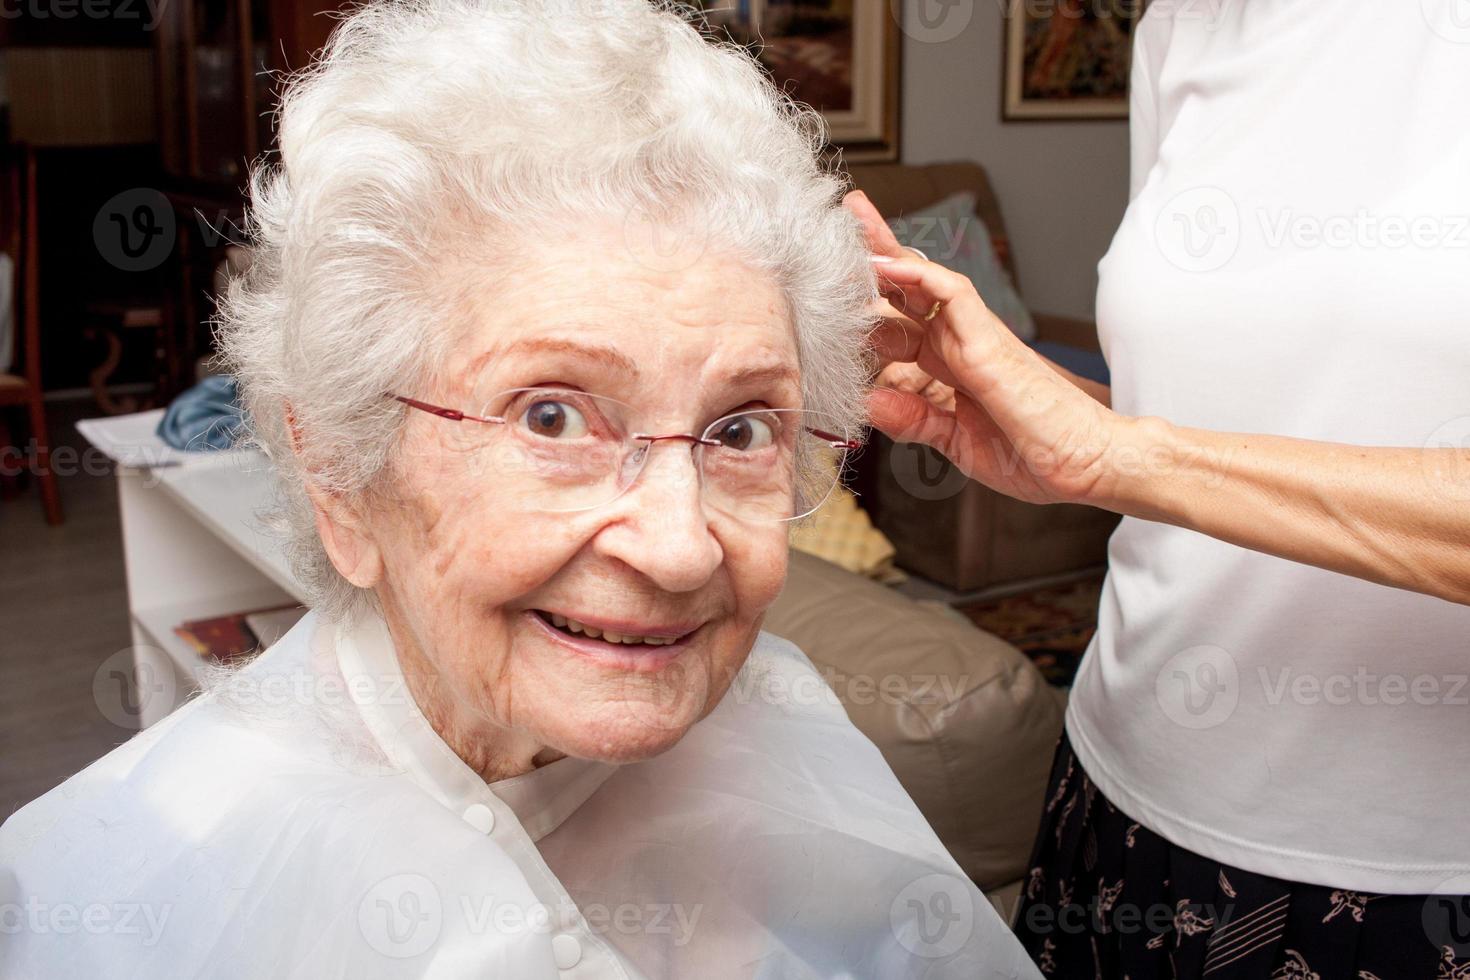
628 645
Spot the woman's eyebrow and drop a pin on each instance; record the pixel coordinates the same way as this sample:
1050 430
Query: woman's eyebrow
757 375
607 358
603 356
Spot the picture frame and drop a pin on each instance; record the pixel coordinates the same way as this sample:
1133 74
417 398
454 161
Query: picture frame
839 56
1068 59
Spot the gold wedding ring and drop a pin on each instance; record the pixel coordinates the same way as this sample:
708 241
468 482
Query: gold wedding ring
934 310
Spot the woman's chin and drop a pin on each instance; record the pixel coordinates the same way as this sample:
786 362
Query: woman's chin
622 739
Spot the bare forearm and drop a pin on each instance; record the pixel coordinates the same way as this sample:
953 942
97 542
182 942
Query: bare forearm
1097 390
1400 517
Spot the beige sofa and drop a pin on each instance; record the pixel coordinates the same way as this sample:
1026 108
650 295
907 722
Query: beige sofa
967 722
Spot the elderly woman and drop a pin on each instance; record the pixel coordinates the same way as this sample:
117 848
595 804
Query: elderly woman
555 324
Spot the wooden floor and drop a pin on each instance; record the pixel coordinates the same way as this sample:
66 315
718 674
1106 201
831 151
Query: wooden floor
63 613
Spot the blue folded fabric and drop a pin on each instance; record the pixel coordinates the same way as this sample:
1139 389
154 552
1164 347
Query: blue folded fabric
1087 364
206 417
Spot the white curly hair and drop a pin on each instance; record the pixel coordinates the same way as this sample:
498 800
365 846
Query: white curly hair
426 125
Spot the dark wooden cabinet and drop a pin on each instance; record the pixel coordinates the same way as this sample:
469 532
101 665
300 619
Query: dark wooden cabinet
219 67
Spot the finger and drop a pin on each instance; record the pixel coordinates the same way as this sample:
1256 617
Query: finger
901 415
898 303
899 340
898 300
906 301
904 377
906 417
884 308
913 275
881 240
954 318
887 338
915 380
896 338
941 396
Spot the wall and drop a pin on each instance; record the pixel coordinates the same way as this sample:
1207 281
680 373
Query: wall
1062 186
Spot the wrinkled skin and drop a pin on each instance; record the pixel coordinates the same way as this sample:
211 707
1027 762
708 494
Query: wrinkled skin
458 565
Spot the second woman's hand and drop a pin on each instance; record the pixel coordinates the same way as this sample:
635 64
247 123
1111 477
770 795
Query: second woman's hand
963 384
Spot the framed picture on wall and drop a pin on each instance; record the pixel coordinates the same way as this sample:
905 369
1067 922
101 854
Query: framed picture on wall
838 56
1068 59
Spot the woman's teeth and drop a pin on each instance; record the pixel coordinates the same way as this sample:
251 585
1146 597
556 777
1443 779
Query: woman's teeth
572 626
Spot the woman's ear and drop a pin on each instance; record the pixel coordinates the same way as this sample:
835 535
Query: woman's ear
352 549
347 540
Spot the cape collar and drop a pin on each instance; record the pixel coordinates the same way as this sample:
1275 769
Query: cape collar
540 799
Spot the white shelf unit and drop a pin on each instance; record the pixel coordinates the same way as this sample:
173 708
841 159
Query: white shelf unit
193 547
155 625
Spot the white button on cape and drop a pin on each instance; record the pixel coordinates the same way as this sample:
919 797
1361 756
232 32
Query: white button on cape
566 950
480 816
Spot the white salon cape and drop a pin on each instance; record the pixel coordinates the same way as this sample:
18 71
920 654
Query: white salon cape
303 820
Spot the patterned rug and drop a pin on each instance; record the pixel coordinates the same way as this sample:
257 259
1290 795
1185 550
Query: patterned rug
1052 626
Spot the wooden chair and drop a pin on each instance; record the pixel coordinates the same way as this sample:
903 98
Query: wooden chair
22 386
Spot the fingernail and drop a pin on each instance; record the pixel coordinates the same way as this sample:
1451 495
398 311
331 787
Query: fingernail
880 259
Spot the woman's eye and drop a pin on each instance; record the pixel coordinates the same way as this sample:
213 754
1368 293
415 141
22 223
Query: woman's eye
745 433
555 420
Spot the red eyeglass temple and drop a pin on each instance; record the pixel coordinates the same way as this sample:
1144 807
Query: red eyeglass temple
837 441
455 415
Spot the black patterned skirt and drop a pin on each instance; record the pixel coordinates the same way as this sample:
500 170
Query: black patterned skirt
1108 898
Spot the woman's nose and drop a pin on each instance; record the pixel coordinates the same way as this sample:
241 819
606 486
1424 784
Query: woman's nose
662 530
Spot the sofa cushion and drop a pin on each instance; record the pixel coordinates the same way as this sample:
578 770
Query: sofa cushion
841 533
898 188
951 233
967 723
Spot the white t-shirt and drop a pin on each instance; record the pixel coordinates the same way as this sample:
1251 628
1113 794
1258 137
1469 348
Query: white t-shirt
1295 260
